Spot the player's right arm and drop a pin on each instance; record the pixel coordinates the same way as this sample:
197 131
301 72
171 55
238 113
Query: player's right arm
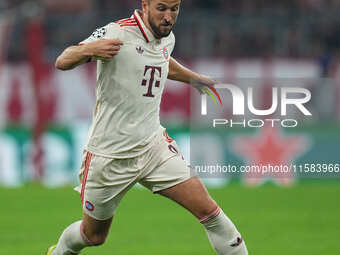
83 53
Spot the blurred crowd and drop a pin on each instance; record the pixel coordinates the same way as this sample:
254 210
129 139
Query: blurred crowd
206 28
240 5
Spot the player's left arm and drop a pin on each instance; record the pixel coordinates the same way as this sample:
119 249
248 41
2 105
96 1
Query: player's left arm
204 84
178 72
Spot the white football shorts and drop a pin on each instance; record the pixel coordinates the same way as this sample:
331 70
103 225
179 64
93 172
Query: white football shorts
104 181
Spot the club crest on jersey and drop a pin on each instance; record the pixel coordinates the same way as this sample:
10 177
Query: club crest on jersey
89 206
139 50
99 33
165 53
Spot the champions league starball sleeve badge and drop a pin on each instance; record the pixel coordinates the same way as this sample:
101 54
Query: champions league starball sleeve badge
99 33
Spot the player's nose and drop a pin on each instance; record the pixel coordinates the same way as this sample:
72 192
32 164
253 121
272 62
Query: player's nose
167 16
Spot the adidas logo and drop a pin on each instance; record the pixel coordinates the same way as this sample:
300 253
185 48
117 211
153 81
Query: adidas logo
237 243
139 50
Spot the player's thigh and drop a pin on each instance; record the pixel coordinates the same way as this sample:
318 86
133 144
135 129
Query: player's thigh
104 182
166 166
176 180
192 195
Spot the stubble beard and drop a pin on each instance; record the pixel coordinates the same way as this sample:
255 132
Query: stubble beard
157 31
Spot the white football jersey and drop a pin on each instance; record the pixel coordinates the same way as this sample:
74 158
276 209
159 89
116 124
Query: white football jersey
129 89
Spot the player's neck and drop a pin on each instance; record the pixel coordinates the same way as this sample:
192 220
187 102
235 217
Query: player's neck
147 24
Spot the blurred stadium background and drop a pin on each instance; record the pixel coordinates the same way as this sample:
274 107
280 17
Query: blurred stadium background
45 115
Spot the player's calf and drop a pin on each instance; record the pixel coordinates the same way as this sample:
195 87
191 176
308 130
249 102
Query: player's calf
81 234
94 239
71 241
94 231
221 232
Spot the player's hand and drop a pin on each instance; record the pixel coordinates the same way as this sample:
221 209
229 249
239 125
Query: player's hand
205 85
202 82
104 48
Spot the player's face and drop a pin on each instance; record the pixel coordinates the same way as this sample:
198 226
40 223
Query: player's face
161 15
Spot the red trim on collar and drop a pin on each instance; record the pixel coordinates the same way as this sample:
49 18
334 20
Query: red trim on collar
126 21
129 25
141 28
123 20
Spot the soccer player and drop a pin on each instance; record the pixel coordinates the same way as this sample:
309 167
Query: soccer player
126 142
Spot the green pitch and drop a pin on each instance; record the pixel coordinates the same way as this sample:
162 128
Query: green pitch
303 220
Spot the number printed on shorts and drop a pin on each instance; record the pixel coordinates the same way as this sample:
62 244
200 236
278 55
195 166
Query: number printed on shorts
172 149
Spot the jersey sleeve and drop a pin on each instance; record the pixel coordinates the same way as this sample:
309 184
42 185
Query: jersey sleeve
109 31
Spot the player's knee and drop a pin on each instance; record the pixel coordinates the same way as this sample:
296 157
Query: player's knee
208 212
94 232
93 239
